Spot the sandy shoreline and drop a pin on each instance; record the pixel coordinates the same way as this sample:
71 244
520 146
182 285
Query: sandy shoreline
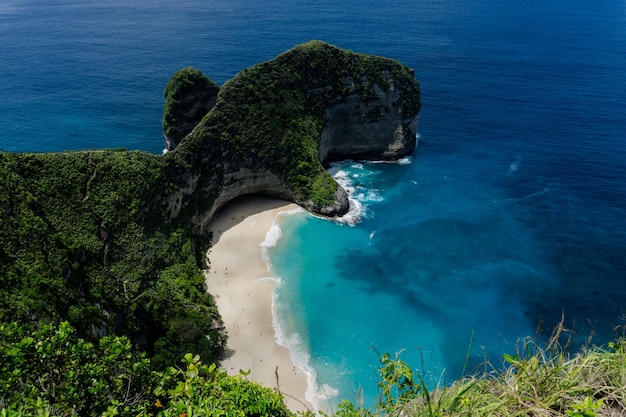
244 297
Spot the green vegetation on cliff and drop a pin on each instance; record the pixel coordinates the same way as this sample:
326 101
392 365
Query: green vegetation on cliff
83 239
109 240
101 258
114 241
270 117
102 252
189 95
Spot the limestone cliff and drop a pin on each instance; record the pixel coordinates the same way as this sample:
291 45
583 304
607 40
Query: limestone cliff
112 240
276 126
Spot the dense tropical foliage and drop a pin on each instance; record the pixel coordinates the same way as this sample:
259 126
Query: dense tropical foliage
51 371
81 240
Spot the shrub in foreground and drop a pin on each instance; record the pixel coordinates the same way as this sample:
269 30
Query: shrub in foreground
53 372
536 381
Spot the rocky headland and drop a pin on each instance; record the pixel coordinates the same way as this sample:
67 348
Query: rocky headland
114 241
276 126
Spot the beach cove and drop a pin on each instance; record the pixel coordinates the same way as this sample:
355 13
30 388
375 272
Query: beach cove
243 286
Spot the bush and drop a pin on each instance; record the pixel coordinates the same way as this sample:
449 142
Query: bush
536 382
55 370
51 371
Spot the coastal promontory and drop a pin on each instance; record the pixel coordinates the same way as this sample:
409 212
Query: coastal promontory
276 126
114 241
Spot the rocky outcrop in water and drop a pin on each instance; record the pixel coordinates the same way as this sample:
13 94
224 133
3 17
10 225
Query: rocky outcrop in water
276 126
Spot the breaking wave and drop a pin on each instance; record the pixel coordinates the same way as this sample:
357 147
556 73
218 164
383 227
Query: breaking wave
317 394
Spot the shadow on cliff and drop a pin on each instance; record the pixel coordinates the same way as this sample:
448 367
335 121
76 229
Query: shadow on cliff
237 210
276 126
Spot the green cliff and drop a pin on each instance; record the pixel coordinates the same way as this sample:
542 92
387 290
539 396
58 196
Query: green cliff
189 95
277 125
115 241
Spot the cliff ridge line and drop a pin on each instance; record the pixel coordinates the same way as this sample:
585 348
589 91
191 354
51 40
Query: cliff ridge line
114 241
276 126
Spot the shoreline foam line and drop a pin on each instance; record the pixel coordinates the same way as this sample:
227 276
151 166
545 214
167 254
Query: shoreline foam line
320 396
237 278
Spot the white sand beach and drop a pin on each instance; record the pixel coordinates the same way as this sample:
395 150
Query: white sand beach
244 298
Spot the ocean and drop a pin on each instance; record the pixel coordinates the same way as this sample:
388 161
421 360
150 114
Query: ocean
509 215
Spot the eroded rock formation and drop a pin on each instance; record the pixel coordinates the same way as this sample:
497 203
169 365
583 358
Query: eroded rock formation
275 127
372 129
113 240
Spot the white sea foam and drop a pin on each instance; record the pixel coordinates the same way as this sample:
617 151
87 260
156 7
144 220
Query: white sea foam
354 215
353 177
358 194
369 195
514 166
343 177
271 239
547 189
273 236
407 160
316 394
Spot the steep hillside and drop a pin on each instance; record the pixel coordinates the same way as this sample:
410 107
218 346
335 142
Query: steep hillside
114 241
276 125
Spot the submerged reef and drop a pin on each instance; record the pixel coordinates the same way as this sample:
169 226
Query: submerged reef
114 241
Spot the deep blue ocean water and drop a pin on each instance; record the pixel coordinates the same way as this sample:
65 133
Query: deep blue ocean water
511 211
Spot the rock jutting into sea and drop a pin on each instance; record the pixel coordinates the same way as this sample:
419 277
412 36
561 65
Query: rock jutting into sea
276 126
114 240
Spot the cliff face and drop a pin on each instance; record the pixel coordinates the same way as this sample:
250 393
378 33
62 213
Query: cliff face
376 129
276 125
112 240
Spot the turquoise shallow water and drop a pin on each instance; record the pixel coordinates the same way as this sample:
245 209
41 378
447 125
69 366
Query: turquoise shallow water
430 281
511 211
